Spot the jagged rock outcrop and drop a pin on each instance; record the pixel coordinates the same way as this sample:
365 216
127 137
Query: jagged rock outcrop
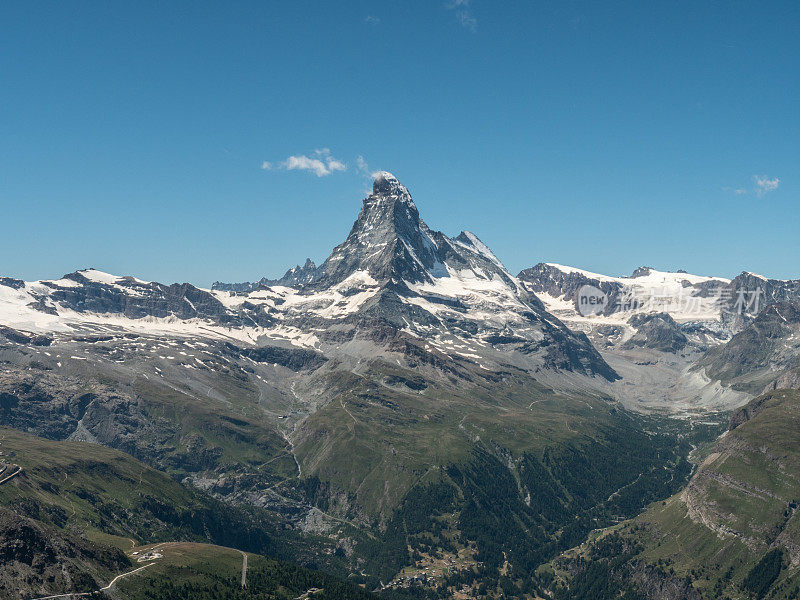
38 559
658 331
790 380
757 355
294 277
749 293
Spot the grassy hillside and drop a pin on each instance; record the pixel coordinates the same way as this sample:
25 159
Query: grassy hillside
66 517
484 483
373 442
107 495
480 476
732 533
189 571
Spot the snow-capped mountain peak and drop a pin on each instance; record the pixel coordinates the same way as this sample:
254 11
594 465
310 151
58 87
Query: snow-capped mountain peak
385 184
389 240
685 297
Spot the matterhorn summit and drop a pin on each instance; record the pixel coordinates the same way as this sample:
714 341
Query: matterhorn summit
394 286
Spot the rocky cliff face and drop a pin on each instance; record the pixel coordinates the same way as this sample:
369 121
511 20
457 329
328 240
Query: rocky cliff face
790 380
658 331
768 346
561 283
749 293
294 277
37 558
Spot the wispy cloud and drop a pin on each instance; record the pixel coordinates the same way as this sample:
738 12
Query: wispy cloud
321 163
765 184
368 174
363 167
464 14
761 185
372 20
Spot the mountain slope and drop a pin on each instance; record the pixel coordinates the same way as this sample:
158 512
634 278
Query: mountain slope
71 505
190 571
653 329
768 346
38 559
410 374
732 533
685 297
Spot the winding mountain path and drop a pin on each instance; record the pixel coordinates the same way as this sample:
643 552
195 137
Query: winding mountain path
15 470
102 589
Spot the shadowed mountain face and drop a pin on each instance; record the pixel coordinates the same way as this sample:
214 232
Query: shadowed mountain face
767 347
388 240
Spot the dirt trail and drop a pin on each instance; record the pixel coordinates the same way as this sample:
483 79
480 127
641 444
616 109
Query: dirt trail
15 470
244 569
102 589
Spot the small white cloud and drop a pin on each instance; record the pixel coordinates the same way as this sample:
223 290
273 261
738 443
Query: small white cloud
372 20
368 174
463 14
736 191
321 163
363 167
765 184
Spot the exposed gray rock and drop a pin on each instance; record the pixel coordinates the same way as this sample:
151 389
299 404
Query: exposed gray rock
549 279
12 283
60 407
23 337
748 294
658 331
295 277
789 380
767 346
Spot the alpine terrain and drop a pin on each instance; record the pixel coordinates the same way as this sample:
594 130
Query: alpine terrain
406 420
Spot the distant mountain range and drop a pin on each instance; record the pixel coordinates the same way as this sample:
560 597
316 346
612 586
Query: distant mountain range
408 407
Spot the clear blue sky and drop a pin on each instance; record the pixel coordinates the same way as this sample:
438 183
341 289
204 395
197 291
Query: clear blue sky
605 135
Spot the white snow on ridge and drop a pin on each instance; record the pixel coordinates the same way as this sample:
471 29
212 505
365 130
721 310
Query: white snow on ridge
658 291
478 246
671 278
654 277
15 312
589 274
99 276
757 275
335 303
